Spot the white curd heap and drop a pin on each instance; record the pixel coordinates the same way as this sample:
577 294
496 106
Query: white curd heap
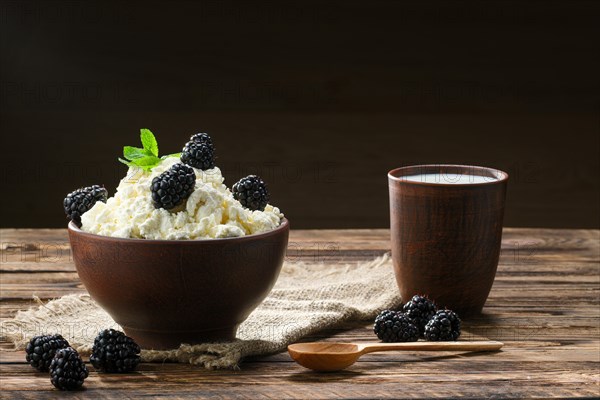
211 211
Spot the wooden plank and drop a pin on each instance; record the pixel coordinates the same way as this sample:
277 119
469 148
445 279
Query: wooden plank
520 347
586 240
422 378
177 388
360 238
414 367
48 250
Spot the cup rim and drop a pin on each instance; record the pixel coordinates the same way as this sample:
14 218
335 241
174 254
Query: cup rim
499 176
283 225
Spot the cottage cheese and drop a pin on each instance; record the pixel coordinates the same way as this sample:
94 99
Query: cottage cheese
210 211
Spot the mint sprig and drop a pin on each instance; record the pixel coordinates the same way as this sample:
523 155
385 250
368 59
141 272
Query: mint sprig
145 158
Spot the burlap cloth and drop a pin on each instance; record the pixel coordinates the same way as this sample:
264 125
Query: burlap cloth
307 298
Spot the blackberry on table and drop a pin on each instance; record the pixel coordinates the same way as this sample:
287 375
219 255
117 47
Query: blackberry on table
199 152
81 200
443 326
392 326
173 187
67 369
41 350
114 352
420 310
251 192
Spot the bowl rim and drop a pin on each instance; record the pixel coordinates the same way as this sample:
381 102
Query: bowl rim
283 226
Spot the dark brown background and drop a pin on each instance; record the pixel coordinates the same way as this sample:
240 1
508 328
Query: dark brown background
322 100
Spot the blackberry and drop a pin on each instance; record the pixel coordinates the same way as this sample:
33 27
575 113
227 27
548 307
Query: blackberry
201 138
81 200
392 326
173 187
444 326
67 370
114 352
199 152
251 192
420 309
41 349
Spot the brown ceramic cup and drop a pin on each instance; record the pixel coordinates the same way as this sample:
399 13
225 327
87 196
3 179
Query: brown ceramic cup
167 292
446 228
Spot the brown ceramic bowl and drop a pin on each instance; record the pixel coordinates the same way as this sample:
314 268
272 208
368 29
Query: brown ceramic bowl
167 292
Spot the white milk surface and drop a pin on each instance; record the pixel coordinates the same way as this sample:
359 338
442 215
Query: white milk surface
447 179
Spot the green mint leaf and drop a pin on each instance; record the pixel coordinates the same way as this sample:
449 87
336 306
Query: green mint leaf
131 153
151 165
145 158
176 155
146 161
129 164
149 141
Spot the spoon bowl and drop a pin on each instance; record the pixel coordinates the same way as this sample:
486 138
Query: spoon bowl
325 356
333 356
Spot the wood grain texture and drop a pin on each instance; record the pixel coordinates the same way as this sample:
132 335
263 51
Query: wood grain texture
544 306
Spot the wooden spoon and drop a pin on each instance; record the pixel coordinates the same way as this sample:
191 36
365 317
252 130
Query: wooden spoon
332 356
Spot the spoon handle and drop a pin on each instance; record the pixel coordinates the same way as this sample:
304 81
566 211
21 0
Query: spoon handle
487 345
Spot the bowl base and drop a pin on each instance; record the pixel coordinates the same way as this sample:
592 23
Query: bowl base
169 340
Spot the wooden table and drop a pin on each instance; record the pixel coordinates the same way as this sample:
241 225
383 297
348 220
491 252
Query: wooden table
544 306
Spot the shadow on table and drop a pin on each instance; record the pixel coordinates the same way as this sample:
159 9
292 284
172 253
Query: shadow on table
324 377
